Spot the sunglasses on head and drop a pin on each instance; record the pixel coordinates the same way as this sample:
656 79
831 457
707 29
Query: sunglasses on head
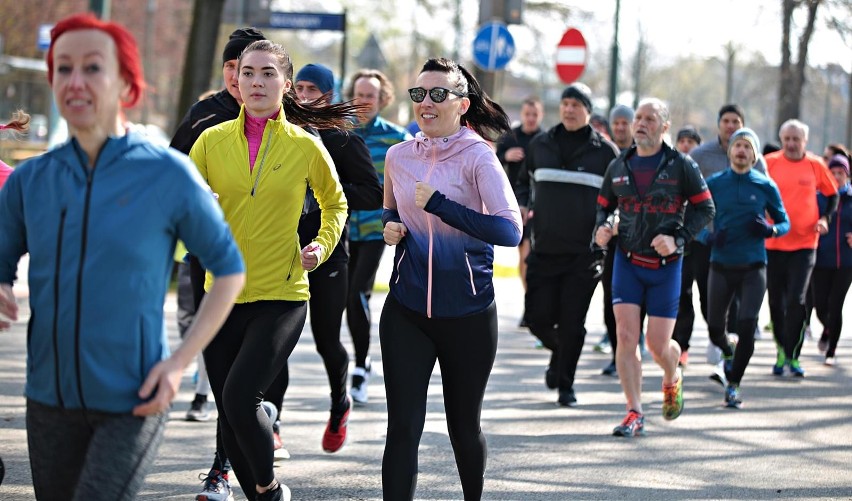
436 94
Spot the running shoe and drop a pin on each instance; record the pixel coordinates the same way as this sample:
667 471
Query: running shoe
673 397
567 398
215 487
360 381
280 493
610 370
780 361
830 361
796 369
732 397
335 431
721 371
198 409
603 346
633 425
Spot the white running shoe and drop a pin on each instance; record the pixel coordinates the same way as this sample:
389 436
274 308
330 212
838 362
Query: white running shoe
360 381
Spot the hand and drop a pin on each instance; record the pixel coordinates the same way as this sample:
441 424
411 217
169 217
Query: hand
163 382
525 215
821 226
310 256
598 264
603 235
394 232
849 239
515 154
422 193
664 245
8 307
760 227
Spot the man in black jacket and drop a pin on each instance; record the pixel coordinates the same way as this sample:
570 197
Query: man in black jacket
650 185
564 168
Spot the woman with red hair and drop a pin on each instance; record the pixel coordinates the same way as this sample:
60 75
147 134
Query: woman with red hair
99 216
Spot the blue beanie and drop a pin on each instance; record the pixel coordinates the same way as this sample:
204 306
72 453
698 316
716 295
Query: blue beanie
621 111
318 75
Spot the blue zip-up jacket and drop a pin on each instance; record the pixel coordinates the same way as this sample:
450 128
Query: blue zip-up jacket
444 265
101 243
833 251
379 135
739 200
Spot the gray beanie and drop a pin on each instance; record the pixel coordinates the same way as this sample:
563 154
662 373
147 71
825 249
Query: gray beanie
748 135
621 111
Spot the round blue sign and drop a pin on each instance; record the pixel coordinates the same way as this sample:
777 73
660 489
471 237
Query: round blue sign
493 47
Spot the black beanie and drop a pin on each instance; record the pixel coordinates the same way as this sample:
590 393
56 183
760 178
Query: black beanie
581 93
238 41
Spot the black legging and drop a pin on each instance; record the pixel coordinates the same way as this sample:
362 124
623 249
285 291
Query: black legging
364 259
724 283
787 277
242 361
328 299
465 347
830 287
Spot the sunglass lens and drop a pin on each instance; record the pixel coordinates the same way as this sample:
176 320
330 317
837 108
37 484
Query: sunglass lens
438 94
418 94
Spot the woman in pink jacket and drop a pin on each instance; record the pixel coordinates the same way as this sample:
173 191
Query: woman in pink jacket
447 203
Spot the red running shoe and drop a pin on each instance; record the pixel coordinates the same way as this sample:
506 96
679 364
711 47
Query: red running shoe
335 431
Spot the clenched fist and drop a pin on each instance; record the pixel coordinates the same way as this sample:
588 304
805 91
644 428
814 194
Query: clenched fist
394 232
422 193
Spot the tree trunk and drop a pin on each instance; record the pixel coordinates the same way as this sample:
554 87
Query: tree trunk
792 75
197 70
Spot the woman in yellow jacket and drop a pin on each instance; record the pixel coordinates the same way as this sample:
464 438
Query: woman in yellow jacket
260 166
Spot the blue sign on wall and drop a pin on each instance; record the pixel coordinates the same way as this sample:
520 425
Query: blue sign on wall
307 21
493 47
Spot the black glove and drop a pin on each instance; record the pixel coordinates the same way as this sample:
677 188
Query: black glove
760 227
718 238
597 265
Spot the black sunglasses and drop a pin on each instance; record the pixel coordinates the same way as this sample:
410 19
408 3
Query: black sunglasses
436 94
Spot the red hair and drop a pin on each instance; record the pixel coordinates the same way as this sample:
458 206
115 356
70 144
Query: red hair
127 51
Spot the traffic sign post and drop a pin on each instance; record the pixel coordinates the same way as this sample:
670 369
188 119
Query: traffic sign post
493 47
571 56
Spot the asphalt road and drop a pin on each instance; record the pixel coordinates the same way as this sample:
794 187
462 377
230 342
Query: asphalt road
792 440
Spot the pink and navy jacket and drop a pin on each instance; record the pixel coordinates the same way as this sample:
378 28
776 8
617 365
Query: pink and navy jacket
444 265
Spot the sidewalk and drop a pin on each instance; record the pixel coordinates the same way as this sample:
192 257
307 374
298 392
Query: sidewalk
793 439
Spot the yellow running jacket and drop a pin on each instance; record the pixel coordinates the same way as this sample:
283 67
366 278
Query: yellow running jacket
263 205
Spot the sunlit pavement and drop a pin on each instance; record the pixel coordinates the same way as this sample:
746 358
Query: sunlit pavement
790 441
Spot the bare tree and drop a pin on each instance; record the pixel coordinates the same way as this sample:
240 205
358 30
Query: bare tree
792 75
206 17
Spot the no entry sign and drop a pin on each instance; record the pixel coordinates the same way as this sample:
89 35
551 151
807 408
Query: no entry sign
571 56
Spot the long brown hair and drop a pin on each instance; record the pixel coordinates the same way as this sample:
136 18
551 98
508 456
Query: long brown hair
326 116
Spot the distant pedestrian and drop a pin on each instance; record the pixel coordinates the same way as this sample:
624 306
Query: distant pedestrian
832 274
373 90
743 197
687 139
511 151
562 175
799 175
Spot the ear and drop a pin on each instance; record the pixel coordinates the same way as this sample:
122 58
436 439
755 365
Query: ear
465 104
287 85
124 95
